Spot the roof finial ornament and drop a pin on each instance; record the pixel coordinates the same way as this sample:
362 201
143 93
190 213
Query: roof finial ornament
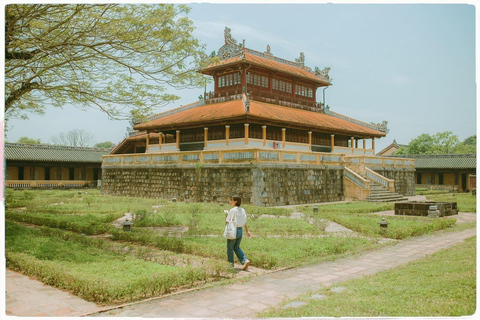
268 50
301 60
228 37
322 73
382 126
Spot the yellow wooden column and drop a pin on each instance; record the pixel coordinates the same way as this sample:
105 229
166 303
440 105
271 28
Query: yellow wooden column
178 140
246 133
310 140
352 139
364 146
264 135
147 142
160 140
205 136
332 142
284 136
373 145
227 134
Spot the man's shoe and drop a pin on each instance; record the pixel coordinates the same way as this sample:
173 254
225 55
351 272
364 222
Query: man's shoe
246 264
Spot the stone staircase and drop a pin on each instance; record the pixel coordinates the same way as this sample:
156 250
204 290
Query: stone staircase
380 194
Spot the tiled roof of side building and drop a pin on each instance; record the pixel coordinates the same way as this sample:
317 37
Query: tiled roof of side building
444 161
270 64
260 110
47 153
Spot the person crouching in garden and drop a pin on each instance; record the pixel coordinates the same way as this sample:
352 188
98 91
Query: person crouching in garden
237 214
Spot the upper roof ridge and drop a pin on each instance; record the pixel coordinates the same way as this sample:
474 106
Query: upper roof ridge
233 49
57 147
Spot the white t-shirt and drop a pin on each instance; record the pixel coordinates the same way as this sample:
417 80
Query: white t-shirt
240 216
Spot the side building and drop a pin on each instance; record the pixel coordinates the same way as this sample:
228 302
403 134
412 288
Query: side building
46 166
260 134
454 172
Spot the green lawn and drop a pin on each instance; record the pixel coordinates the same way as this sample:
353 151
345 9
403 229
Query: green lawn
466 202
441 285
59 247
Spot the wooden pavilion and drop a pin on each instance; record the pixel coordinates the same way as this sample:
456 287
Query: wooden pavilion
259 100
262 129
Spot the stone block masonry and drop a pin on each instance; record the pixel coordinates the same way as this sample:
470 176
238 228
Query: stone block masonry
257 184
404 179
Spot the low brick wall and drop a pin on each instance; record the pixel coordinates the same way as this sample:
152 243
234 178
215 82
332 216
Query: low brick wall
261 184
417 208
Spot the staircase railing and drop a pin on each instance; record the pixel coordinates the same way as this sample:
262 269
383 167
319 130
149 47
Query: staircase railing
357 179
387 183
356 187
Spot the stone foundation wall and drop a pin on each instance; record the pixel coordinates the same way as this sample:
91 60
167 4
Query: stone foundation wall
404 179
262 185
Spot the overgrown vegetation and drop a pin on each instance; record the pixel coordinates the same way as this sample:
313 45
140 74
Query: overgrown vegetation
71 241
437 286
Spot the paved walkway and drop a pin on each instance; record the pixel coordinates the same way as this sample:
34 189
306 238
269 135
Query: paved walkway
245 300
28 297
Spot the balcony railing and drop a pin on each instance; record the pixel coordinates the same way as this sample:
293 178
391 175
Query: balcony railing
243 155
49 184
265 96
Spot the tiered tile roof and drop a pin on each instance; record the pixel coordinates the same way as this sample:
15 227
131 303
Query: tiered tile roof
231 110
268 63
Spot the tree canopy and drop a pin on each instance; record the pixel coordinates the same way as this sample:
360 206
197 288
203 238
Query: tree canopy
28 140
105 144
439 143
116 57
73 138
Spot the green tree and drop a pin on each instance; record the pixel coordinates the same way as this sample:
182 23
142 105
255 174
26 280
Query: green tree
420 145
115 57
444 142
106 144
440 143
468 145
28 140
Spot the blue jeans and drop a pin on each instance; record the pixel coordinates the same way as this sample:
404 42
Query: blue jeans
234 246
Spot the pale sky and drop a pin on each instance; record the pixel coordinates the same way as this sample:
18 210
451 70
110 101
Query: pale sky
410 64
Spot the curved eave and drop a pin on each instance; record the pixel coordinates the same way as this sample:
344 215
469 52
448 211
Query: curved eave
263 113
238 60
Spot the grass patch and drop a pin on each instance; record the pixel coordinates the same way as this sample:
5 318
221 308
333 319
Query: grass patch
466 202
441 285
355 216
91 272
273 253
399 227
84 223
